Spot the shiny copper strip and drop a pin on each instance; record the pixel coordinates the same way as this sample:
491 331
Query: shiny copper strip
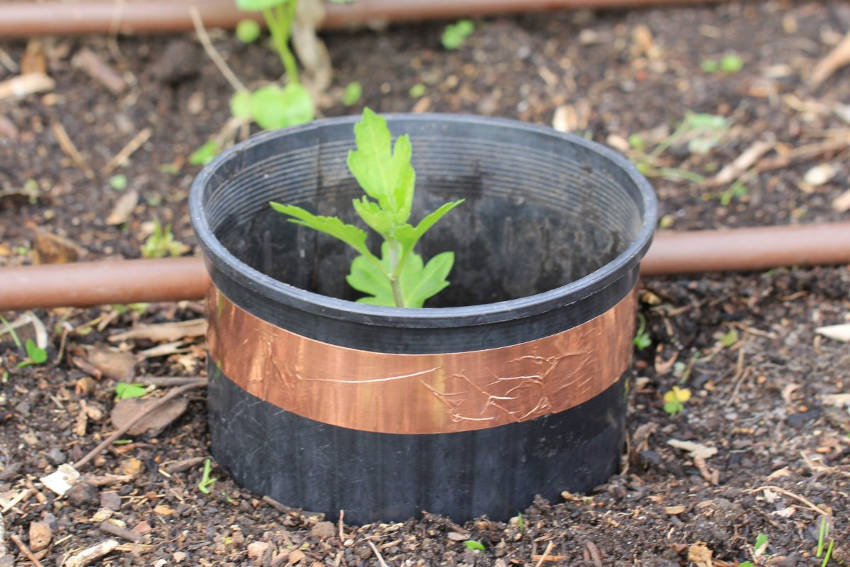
420 393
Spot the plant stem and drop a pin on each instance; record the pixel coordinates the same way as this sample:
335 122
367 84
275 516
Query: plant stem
394 275
279 23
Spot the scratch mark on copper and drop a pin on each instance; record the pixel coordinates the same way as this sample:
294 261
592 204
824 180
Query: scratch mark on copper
355 381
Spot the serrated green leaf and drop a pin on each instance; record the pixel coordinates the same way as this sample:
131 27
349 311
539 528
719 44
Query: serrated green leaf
273 107
419 284
409 235
257 5
384 173
348 233
247 31
125 391
366 277
380 220
240 104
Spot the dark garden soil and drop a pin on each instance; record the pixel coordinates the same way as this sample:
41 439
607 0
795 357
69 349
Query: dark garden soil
768 417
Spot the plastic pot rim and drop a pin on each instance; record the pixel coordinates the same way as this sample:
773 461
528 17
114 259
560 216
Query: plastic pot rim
322 305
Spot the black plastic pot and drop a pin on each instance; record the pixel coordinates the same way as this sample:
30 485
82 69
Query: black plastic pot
510 383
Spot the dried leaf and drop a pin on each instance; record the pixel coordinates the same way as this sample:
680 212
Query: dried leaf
53 249
155 421
112 363
700 554
25 85
693 448
674 510
164 331
61 480
123 208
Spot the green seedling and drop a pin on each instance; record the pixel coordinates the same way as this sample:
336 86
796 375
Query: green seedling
161 243
702 132
736 191
674 400
729 338
7 327
520 523
352 94
35 355
642 338
729 64
4 378
205 153
125 391
455 34
248 31
417 90
823 533
118 182
474 545
400 277
274 107
206 482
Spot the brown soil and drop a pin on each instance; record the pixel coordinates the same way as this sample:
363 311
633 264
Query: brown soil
760 394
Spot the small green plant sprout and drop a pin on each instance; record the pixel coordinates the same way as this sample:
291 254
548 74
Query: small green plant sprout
417 90
520 523
248 31
161 243
823 533
206 482
273 106
125 391
729 338
118 182
35 355
205 154
455 34
674 400
352 94
400 277
474 545
642 338
729 64
701 132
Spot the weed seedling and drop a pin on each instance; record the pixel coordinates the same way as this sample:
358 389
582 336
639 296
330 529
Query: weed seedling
729 64
35 355
455 34
206 482
823 533
161 243
642 338
474 545
118 182
674 400
124 391
520 523
400 277
352 94
248 31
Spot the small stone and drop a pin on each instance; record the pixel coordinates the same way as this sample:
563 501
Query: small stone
82 493
295 556
132 466
56 456
110 501
256 549
178 556
181 61
820 174
40 535
163 510
323 530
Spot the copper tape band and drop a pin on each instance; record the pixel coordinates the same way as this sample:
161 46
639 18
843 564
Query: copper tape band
420 393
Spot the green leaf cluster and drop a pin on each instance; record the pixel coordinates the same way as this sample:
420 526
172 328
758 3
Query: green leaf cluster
125 391
273 107
455 34
399 277
161 243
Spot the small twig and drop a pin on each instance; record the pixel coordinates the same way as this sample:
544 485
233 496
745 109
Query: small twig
126 151
546 553
796 497
802 153
341 525
25 550
377 554
212 53
740 374
69 148
167 381
112 529
182 465
201 383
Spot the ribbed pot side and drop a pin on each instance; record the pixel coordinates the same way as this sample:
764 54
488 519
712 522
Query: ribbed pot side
511 383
